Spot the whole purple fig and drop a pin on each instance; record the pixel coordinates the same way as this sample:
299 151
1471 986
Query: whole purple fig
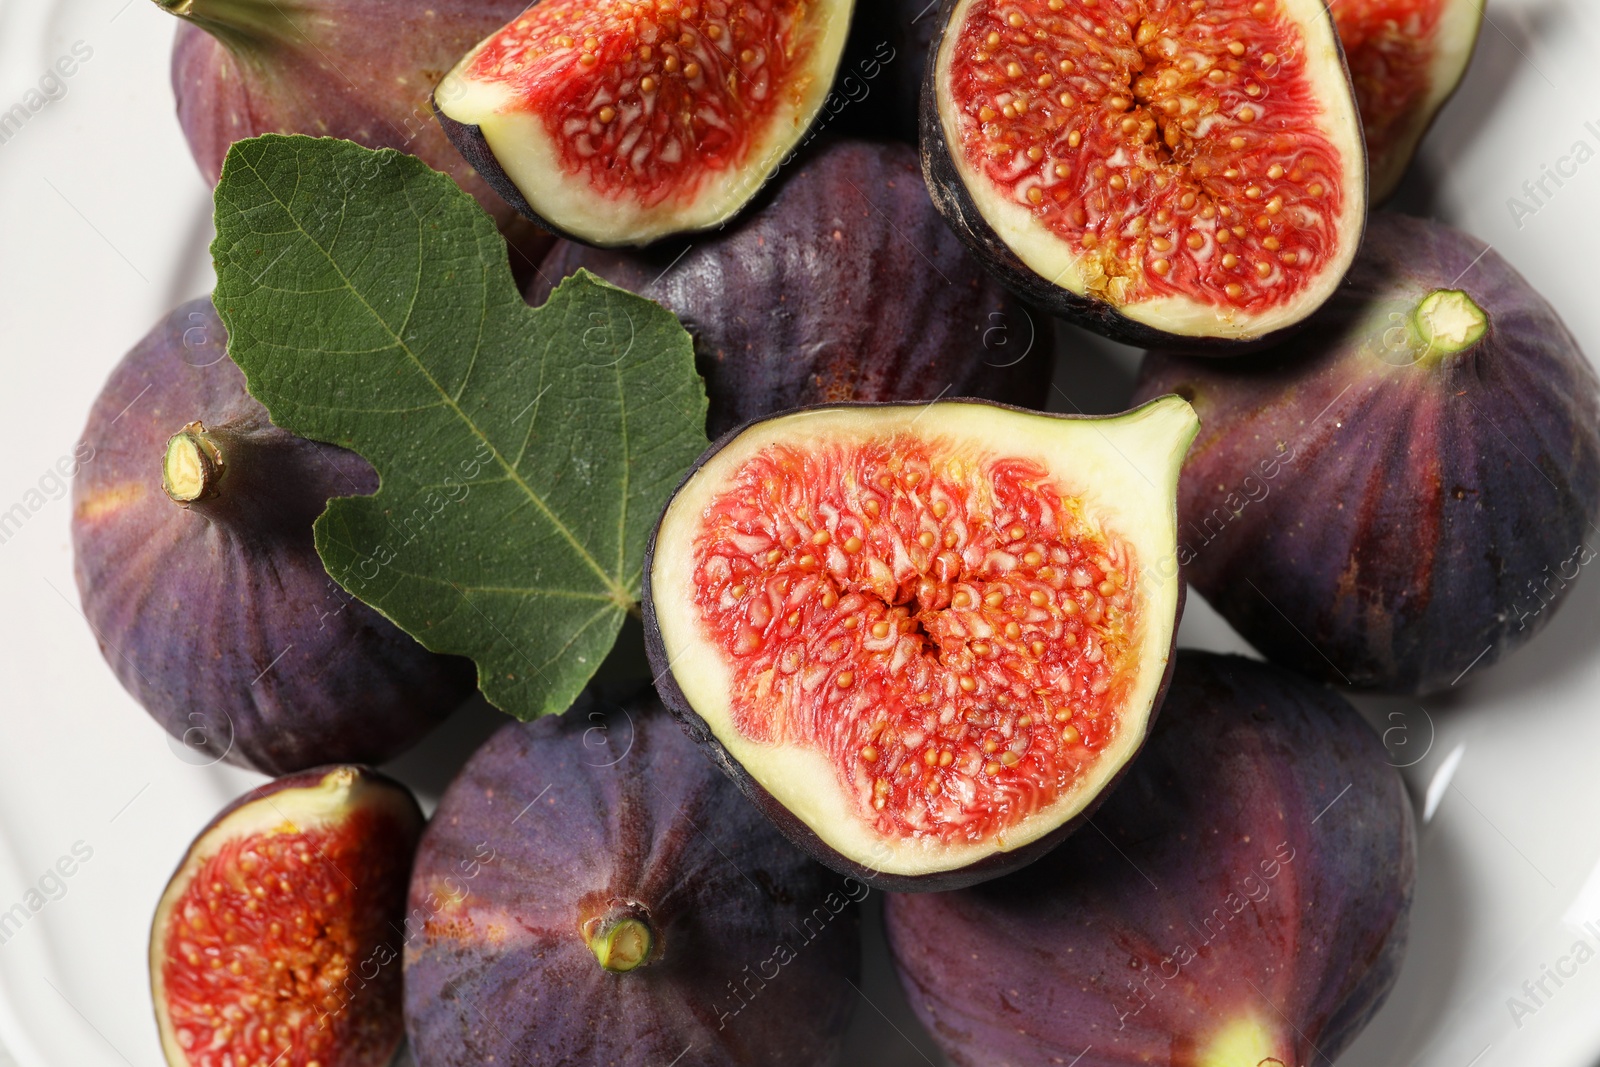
1242 901
194 557
362 70
1408 490
592 890
846 285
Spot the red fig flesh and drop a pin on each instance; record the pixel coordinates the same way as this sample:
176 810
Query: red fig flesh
1164 173
923 638
1406 58
275 939
619 123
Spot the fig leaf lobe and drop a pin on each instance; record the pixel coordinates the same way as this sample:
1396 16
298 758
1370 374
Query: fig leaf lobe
523 453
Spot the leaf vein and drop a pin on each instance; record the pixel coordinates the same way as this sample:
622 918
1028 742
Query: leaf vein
619 591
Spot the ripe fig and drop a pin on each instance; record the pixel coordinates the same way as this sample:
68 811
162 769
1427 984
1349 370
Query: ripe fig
616 123
358 69
923 638
194 558
274 941
1406 58
845 286
1244 903
1188 175
592 890
1407 491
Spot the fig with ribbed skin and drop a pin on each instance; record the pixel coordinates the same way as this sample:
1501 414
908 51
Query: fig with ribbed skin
1243 904
1413 487
845 286
193 551
592 890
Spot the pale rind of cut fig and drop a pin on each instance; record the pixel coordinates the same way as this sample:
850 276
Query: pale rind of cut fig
1452 39
513 148
1039 264
1123 469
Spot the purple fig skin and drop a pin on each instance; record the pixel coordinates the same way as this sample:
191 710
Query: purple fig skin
219 617
363 70
845 286
473 148
1255 869
1409 520
555 823
802 835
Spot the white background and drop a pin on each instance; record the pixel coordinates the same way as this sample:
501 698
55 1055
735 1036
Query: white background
104 223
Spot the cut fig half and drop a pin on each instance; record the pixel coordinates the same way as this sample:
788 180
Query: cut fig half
616 122
276 939
1184 176
923 638
1406 58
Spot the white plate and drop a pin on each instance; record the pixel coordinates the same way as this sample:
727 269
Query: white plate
104 223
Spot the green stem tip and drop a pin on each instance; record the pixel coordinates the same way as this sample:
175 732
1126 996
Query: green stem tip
193 465
621 939
1448 321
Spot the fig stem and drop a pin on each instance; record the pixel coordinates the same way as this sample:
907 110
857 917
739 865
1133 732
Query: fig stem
236 22
193 465
621 942
1447 321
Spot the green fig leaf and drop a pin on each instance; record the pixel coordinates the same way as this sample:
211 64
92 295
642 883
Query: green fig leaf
524 454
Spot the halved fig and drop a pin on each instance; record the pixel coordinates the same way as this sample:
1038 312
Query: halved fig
276 941
922 638
1409 491
1244 903
1186 175
618 123
1406 58
823 294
